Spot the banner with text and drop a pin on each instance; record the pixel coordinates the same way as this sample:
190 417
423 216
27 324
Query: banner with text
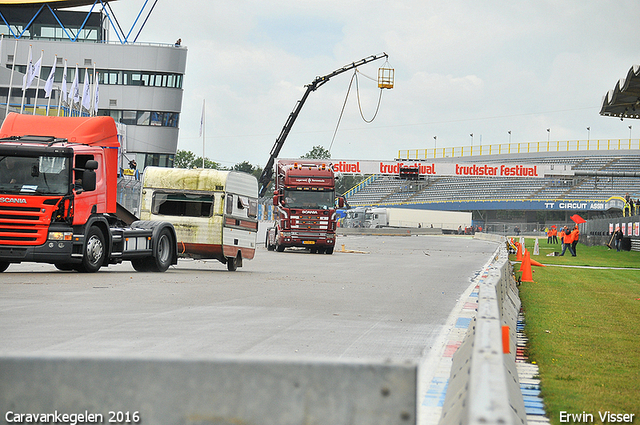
463 169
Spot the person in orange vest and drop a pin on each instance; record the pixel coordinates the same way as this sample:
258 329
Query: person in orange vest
562 234
568 239
554 233
574 239
549 234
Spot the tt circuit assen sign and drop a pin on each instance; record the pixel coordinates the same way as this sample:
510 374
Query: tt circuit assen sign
463 169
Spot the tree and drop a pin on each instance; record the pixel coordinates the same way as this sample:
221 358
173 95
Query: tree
187 159
318 152
245 167
183 159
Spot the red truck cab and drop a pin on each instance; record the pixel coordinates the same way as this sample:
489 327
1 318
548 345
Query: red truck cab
58 181
304 206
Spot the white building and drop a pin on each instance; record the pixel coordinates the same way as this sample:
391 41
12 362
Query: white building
140 84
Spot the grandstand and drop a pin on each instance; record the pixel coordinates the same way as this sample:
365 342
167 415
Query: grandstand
594 178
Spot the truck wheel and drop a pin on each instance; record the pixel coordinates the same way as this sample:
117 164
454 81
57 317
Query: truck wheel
163 252
94 251
140 265
65 267
3 266
279 248
329 250
267 244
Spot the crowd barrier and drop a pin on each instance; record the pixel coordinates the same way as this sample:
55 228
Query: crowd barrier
483 384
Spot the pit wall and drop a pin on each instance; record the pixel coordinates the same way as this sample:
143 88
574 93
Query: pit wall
483 385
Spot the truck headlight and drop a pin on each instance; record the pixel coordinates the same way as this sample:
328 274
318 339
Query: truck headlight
60 236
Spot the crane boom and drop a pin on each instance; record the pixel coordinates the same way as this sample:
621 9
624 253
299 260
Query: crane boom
267 172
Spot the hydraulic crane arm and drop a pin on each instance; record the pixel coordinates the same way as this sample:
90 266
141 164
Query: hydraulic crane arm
267 172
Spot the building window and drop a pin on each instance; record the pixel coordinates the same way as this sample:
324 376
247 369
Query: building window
155 118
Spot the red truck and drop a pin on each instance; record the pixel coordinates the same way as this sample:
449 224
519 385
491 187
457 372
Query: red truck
58 179
304 206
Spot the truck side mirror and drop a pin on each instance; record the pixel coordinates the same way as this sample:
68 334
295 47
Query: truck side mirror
89 179
91 164
341 202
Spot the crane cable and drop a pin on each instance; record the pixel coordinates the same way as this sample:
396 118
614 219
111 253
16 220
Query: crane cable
355 76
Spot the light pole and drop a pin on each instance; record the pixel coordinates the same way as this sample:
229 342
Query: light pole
629 132
509 136
548 134
588 133
435 145
471 135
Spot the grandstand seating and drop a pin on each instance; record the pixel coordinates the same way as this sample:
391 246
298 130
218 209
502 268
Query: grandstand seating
389 190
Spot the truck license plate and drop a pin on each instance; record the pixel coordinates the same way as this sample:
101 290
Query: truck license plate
308 242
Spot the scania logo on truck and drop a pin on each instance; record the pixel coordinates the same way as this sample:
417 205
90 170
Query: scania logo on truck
13 200
309 212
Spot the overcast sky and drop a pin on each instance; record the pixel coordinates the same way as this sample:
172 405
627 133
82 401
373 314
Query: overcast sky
461 67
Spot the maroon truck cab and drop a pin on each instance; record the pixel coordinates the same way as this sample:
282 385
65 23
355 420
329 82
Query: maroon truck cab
304 206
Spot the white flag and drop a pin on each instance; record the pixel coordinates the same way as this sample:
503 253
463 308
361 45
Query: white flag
28 72
202 119
86 91
75 92
48 86
64 82
96 96
35 72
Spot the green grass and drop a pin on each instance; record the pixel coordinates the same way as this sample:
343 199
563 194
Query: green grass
583 326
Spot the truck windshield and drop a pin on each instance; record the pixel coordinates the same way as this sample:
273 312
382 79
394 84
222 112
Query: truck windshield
41 175
309 199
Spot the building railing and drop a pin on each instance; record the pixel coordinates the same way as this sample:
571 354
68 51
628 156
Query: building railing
521 147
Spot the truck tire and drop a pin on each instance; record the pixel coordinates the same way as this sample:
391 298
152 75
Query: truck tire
162 252
95 251
65 267
267 244
140 265
329 250
3 266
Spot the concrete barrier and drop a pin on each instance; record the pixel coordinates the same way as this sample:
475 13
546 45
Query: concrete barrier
389 231
220 392
483 384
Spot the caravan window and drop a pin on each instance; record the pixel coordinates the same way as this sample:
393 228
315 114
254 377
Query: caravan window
229 204
182 204
253 208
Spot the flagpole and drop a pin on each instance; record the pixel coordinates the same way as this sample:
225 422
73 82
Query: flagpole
93 91
35 101
63 87
203 129
48 87
15 50
26 76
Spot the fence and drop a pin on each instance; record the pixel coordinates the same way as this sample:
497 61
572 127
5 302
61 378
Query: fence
522 147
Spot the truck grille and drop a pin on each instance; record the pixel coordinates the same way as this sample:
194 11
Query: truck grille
21 225
308 223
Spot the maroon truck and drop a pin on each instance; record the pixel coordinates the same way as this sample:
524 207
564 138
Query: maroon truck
304 206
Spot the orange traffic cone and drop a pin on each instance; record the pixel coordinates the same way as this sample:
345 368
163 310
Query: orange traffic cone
525 268
519 255
535 263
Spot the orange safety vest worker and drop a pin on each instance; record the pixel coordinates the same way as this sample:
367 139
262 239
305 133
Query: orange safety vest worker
568 238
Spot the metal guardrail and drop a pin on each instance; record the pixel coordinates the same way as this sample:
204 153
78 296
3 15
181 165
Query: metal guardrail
522 147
